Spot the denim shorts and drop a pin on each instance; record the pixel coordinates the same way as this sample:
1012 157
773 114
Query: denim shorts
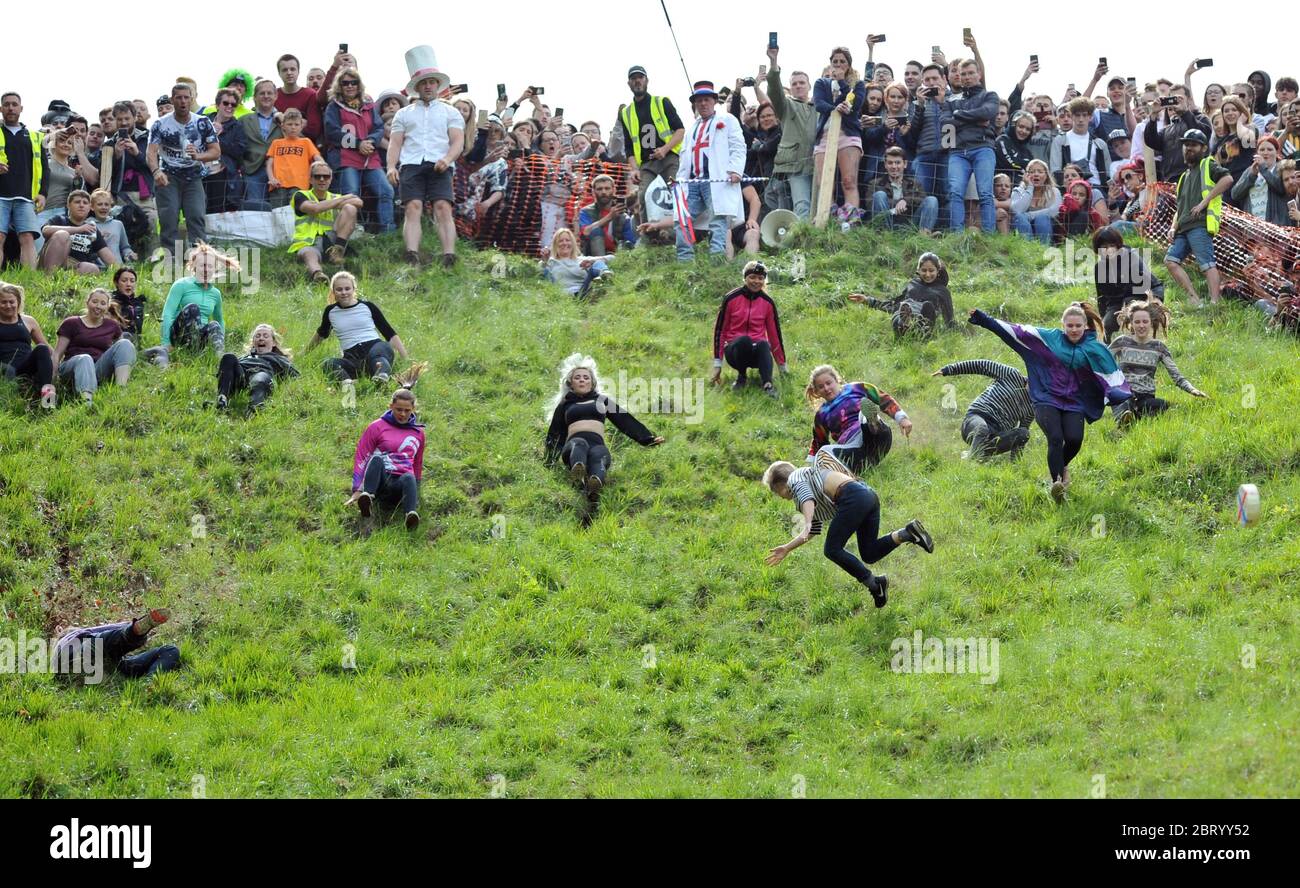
1198 242
18 215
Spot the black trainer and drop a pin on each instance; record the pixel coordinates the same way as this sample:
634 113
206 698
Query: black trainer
578 473
880 594
920 535
363 504
412 520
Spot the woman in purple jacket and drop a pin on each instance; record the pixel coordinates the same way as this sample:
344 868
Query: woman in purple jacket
353 130
390 460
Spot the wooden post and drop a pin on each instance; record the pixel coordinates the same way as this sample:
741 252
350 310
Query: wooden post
826 192
106 168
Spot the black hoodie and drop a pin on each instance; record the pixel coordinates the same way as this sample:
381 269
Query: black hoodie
1262 104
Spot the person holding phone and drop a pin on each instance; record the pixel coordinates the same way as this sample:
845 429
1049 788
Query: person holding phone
353 131
1260 191
841 92
792 168
925 133
971 116
1166 141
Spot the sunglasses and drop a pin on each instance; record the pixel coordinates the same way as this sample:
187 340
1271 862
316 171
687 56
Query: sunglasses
229 104
322 175
350 82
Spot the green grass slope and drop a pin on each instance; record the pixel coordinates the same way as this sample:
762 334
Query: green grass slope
505 650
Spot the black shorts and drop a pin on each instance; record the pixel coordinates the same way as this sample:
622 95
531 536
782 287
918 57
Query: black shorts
424 183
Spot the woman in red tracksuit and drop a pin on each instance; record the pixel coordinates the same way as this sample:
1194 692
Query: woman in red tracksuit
748 331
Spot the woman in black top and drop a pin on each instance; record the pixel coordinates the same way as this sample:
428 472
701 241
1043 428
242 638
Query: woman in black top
577 432
24 350
256 371
130 305
1122 277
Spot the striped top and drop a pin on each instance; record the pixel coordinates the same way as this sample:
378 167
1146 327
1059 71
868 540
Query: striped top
809 483
1139 360
1005 403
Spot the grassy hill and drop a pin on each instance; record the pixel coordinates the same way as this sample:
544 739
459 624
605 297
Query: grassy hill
507 650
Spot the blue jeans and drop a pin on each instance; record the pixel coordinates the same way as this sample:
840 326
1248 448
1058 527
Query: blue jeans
350 181
1199 242
980 161
1039 226
931 172
255 191
927 216
699 204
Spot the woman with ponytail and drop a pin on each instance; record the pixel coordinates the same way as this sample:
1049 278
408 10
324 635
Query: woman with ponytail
846 419
1138 351
841 92
1072 377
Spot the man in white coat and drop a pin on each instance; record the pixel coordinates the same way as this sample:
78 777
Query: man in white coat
714 149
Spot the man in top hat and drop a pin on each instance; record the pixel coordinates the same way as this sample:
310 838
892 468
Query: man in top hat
428 135
713 149
652 134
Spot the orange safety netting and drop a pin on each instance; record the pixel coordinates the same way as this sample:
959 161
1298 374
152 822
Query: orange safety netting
515 224
1256 259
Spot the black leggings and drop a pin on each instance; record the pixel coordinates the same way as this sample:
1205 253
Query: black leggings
38 366
1064 431
375 356
390 489
744 353
589 449
857 511
232 377
1148 405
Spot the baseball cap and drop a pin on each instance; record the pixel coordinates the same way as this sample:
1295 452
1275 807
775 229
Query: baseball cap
635 70
1194 135
1117 134
163 100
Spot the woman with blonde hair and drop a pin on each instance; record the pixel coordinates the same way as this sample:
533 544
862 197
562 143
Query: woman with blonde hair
576 434
365 336
264 361
192 313
353 131
1035 202
840 92
846 419
1072 377
1138 351
572 271
850 507
90 348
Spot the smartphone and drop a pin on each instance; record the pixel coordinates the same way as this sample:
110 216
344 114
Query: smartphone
1033 60
934 50
343 47
931 92
538 90
880 38
1071 88
501 91
482 119
1102 62
458 88
1204 63
762 70
965 33
873 120
1168 101
771 40
1133 82
559 112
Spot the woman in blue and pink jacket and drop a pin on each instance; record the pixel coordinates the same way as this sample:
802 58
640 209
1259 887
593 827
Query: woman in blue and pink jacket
353 131
1072 377
390 460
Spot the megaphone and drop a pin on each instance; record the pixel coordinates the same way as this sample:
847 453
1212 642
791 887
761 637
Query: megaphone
777 228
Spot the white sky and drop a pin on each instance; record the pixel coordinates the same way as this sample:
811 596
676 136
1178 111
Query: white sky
581 62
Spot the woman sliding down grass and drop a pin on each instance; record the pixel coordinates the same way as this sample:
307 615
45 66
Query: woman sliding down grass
255 371
748 331
998 420
846 419
851 507
577 431
1138 353
572 271
1071 379
390 461
364 334
923 301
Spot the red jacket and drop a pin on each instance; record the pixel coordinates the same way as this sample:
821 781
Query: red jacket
748 314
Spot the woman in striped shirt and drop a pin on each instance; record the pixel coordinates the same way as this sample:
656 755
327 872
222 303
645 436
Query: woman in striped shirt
998 420
829 495
1138 352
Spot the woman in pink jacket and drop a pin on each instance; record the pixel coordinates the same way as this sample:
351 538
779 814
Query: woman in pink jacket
390 460
748 331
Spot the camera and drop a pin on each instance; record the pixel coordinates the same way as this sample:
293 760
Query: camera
748 81
1169 101
538 90
930 92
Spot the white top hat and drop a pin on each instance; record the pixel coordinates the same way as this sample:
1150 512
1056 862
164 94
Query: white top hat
422 64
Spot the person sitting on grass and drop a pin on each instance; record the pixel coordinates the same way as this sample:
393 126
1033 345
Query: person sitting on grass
389 461
365 336
110 228
846 419
73 241
576 434
998 420
1138 351
746 235
748 331
90 348
191 315
324 222
575 273
130 304
24 351
922 302
266 359
851 508
73 654
1122 277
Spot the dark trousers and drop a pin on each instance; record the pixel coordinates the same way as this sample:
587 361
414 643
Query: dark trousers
1142 405
38 366
120 640
390 489
857 512
232 377
589 449
375 356
744 353
877 439
986 440
1064 431
189 330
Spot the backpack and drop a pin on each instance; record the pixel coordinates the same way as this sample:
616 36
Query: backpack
136 222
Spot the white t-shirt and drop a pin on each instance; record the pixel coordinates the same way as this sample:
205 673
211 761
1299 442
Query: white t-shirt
1081 154
426 131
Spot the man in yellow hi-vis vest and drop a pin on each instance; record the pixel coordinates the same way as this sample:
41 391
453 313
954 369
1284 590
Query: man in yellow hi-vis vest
22 176
652 134
323 223
1199 193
